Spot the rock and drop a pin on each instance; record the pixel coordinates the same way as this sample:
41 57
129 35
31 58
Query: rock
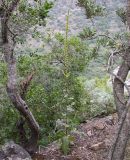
98 146
90 133
115 118
107 142
2 155
110 120
12 151
99 126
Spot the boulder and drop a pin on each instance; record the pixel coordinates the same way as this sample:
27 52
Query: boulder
12 151
98 146
99 126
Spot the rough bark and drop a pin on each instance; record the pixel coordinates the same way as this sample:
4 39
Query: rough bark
128 14
118 149
21 122
21 131
12 89
118 86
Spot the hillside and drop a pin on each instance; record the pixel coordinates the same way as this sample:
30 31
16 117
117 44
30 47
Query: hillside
64 87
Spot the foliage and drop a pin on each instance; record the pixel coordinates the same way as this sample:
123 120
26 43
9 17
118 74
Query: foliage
65 144
8 115
56 95
38 10
29 15
91 8
102 101
87 33
121 12
50 102
43 10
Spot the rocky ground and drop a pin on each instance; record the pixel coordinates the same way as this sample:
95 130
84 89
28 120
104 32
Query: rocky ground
93 140
12 151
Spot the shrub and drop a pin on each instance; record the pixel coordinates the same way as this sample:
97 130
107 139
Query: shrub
102 101
91 8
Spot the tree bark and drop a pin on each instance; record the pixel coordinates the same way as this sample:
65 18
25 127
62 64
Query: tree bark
118 86
128 13
118 149
12 89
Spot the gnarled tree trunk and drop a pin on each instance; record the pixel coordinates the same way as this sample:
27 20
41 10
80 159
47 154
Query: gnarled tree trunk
8 46
123 107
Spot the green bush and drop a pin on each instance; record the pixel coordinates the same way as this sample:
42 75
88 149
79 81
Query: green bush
8 115
91 8
102 101
56 95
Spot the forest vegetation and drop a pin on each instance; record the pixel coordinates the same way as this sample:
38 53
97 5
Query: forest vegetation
52 82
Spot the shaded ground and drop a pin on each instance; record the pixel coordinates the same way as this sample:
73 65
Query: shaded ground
93 140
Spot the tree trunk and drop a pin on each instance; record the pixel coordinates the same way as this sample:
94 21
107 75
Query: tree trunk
118 86
12 89
119 147
117 151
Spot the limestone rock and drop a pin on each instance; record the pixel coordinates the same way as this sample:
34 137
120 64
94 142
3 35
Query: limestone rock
99 126
12 151
90 133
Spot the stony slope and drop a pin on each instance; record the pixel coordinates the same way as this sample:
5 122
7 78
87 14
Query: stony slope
93 140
